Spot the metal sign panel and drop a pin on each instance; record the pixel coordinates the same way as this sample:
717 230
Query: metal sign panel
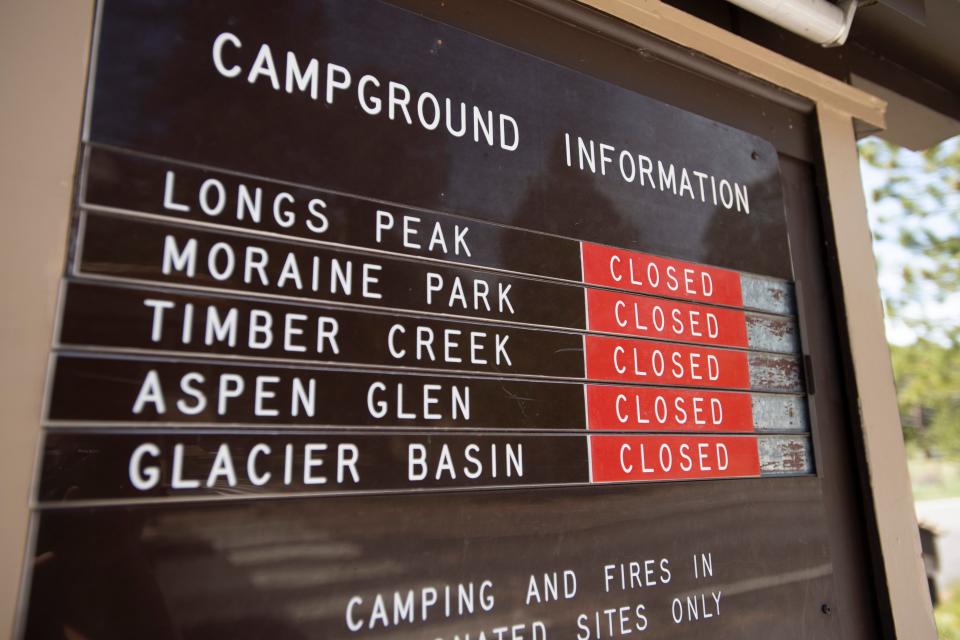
375 328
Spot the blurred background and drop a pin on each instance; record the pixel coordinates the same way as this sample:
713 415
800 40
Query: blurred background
913 200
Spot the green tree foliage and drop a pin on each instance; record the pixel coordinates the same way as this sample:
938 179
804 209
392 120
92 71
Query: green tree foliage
919 213
925 220
928 393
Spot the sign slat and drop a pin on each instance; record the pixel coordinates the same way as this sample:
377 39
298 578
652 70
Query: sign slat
89 466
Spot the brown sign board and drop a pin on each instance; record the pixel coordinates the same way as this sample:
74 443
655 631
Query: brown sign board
363 336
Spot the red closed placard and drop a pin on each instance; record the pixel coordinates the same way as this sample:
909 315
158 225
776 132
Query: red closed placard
647 458
634 271
612 312
612 408
640 361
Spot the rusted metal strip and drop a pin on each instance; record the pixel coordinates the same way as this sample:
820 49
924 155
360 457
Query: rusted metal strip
780 413
775 372
772 333
785 455
767 294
